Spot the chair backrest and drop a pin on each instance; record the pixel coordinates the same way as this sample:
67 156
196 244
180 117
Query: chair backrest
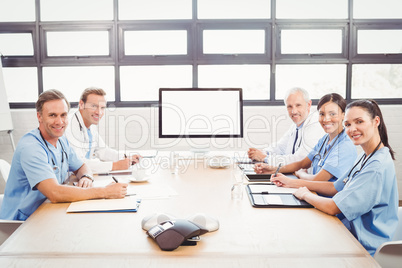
7 228
398 233
4 169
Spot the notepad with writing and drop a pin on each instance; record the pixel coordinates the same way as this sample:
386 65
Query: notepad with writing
127 204
271 196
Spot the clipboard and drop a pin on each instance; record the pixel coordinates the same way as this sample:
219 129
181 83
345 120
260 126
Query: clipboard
251 176
267 195
127 204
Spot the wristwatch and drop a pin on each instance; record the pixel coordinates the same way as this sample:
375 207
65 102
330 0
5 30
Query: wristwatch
88 176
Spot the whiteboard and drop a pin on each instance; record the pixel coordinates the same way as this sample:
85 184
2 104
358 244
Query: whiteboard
6 123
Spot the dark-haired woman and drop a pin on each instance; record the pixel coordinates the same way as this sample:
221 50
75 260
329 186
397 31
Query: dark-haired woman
366 198
333 154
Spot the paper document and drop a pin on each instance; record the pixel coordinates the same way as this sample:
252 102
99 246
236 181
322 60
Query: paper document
273 199
151 191
127 204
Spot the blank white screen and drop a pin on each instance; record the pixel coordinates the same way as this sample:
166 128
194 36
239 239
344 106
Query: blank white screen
201 112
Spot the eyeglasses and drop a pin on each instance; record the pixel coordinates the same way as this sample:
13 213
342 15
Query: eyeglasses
94 107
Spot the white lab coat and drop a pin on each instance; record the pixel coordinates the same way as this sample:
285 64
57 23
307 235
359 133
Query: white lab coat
308 136
101 156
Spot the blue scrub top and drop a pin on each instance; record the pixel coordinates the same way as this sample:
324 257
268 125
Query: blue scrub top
340 158
369 200
31 164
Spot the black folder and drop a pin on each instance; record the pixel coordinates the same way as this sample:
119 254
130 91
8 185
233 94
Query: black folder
267 195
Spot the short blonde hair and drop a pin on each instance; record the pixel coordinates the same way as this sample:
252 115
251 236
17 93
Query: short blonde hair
91 90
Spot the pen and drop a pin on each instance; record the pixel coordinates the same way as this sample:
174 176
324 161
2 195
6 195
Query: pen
115 179
125 156
276 172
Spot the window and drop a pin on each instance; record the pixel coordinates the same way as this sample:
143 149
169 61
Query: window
253 79
83 43
373 9
131 48
234 9
154 9
16 44
311 41
12 11
379 42
312 9
73 80
21 84
142 83
319 79
76 10
377 81
155 42
234 42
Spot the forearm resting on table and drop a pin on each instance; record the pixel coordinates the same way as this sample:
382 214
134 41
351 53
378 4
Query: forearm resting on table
324 204
57 193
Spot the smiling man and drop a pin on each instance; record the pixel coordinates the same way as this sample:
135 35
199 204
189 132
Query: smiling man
301 136
84 137
41 163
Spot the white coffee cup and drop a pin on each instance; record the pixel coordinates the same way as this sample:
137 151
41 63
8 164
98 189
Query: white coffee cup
139 173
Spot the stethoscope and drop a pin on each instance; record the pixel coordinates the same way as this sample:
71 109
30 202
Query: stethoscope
322 159
345 180
78 121
55 167
82 132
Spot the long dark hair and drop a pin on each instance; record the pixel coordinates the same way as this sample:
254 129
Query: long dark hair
373 110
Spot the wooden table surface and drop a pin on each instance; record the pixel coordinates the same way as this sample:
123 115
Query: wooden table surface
247 237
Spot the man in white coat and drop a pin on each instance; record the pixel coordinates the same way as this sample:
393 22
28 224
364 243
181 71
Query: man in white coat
82 134
301 137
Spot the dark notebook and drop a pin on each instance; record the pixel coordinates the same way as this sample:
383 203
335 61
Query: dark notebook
267 195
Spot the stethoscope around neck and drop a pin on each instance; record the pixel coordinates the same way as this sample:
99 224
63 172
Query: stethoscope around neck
55 167
322 159
345 180
78 121
81 128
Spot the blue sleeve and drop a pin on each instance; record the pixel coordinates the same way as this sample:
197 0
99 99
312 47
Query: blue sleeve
74 162
341 158
363 192
316 148
338 184
36 163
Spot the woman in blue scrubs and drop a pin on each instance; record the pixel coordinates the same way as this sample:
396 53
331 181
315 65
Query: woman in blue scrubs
332 155
365 199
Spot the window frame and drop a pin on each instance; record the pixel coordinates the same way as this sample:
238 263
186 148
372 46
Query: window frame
195 56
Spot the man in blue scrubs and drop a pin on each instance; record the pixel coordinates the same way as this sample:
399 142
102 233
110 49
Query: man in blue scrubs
41 164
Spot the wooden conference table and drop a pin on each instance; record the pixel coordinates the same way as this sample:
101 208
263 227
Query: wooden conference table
248 237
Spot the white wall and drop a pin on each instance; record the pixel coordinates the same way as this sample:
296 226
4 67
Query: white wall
137 128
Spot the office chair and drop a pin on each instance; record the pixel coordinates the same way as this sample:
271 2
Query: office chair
7 227
389 254
4 171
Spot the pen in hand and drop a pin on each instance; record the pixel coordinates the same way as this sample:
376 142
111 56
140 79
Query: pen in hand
277 170
115 179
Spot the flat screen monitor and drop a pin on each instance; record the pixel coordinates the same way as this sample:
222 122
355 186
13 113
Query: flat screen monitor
200 113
